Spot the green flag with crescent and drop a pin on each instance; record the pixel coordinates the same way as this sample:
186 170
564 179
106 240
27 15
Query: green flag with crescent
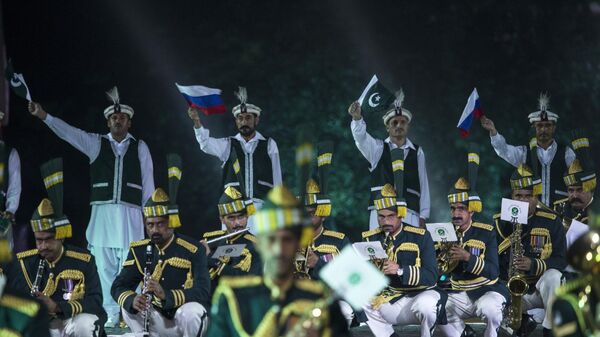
17 82
376 97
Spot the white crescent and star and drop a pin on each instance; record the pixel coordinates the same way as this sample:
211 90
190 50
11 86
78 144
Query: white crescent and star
374 96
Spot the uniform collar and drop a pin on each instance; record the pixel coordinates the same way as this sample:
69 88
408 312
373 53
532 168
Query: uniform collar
162 251
468 227
319 234
62 252
128 136
257 136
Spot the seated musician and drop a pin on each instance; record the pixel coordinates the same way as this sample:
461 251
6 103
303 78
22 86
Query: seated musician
411 297
472 263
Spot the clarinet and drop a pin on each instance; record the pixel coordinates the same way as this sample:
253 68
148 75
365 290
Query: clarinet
35 288
147 276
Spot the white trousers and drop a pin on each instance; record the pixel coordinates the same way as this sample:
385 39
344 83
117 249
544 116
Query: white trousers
347 312
82 325
189 319
420 309
460 307
109 262
544 295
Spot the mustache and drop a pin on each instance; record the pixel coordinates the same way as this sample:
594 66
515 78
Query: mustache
456 218
577 200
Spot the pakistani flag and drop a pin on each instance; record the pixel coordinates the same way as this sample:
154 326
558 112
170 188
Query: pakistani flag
353 278
17 82
375 97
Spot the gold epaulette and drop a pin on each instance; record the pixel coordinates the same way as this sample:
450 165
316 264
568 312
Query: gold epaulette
547 215
412 229
250 237
334 234
139 243
371 232
560 201
213 233
22 305
79 256
192 248
240 281
27 253
310 286
483 226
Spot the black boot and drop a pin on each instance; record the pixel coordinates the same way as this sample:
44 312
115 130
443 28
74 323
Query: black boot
468 332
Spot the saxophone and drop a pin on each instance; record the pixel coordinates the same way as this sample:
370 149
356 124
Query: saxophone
315 319
302 270
147 276
35 287
517 283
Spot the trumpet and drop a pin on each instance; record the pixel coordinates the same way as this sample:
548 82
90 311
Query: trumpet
35 288
445 263
227 236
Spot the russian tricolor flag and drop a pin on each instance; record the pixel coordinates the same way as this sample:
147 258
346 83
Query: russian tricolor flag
472 110
207 100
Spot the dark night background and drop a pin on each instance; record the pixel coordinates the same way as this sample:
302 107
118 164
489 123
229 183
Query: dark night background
303 62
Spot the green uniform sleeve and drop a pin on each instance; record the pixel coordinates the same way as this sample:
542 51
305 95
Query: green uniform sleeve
124 286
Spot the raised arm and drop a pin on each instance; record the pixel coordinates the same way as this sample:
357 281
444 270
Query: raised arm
514 155
218 147
425 200
370 147
88 143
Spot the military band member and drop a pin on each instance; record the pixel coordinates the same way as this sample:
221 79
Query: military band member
580 180
473 263
233 212
177 287
543 241
397 121
258 155
410 297
10 186
276 304
20 315
552 156
575 310
121 181
63 277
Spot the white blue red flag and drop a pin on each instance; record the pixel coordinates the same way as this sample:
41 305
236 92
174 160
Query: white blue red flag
207 100
472 110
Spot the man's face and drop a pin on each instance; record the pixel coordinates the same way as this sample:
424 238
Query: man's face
578 198
158 229
526 196
314 219
119 123
544 130
48 247
397 126
461 217
278 252
246 123
388 220
235 222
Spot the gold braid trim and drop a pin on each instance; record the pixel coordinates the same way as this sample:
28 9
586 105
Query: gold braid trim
187 245
327 249
250 238
80 256
410 247
73 274
371 232
240 281
128 263
310 286
334 234
483 226
139 243
412 229
124 295
6 332
27 253
213 233
246 262
25 306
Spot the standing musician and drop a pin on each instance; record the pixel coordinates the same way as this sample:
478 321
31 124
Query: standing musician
172 268
276 304
473 264
580 180
10 187
121 180
258 155
544 249
551 157
411 297
63 277
397 121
